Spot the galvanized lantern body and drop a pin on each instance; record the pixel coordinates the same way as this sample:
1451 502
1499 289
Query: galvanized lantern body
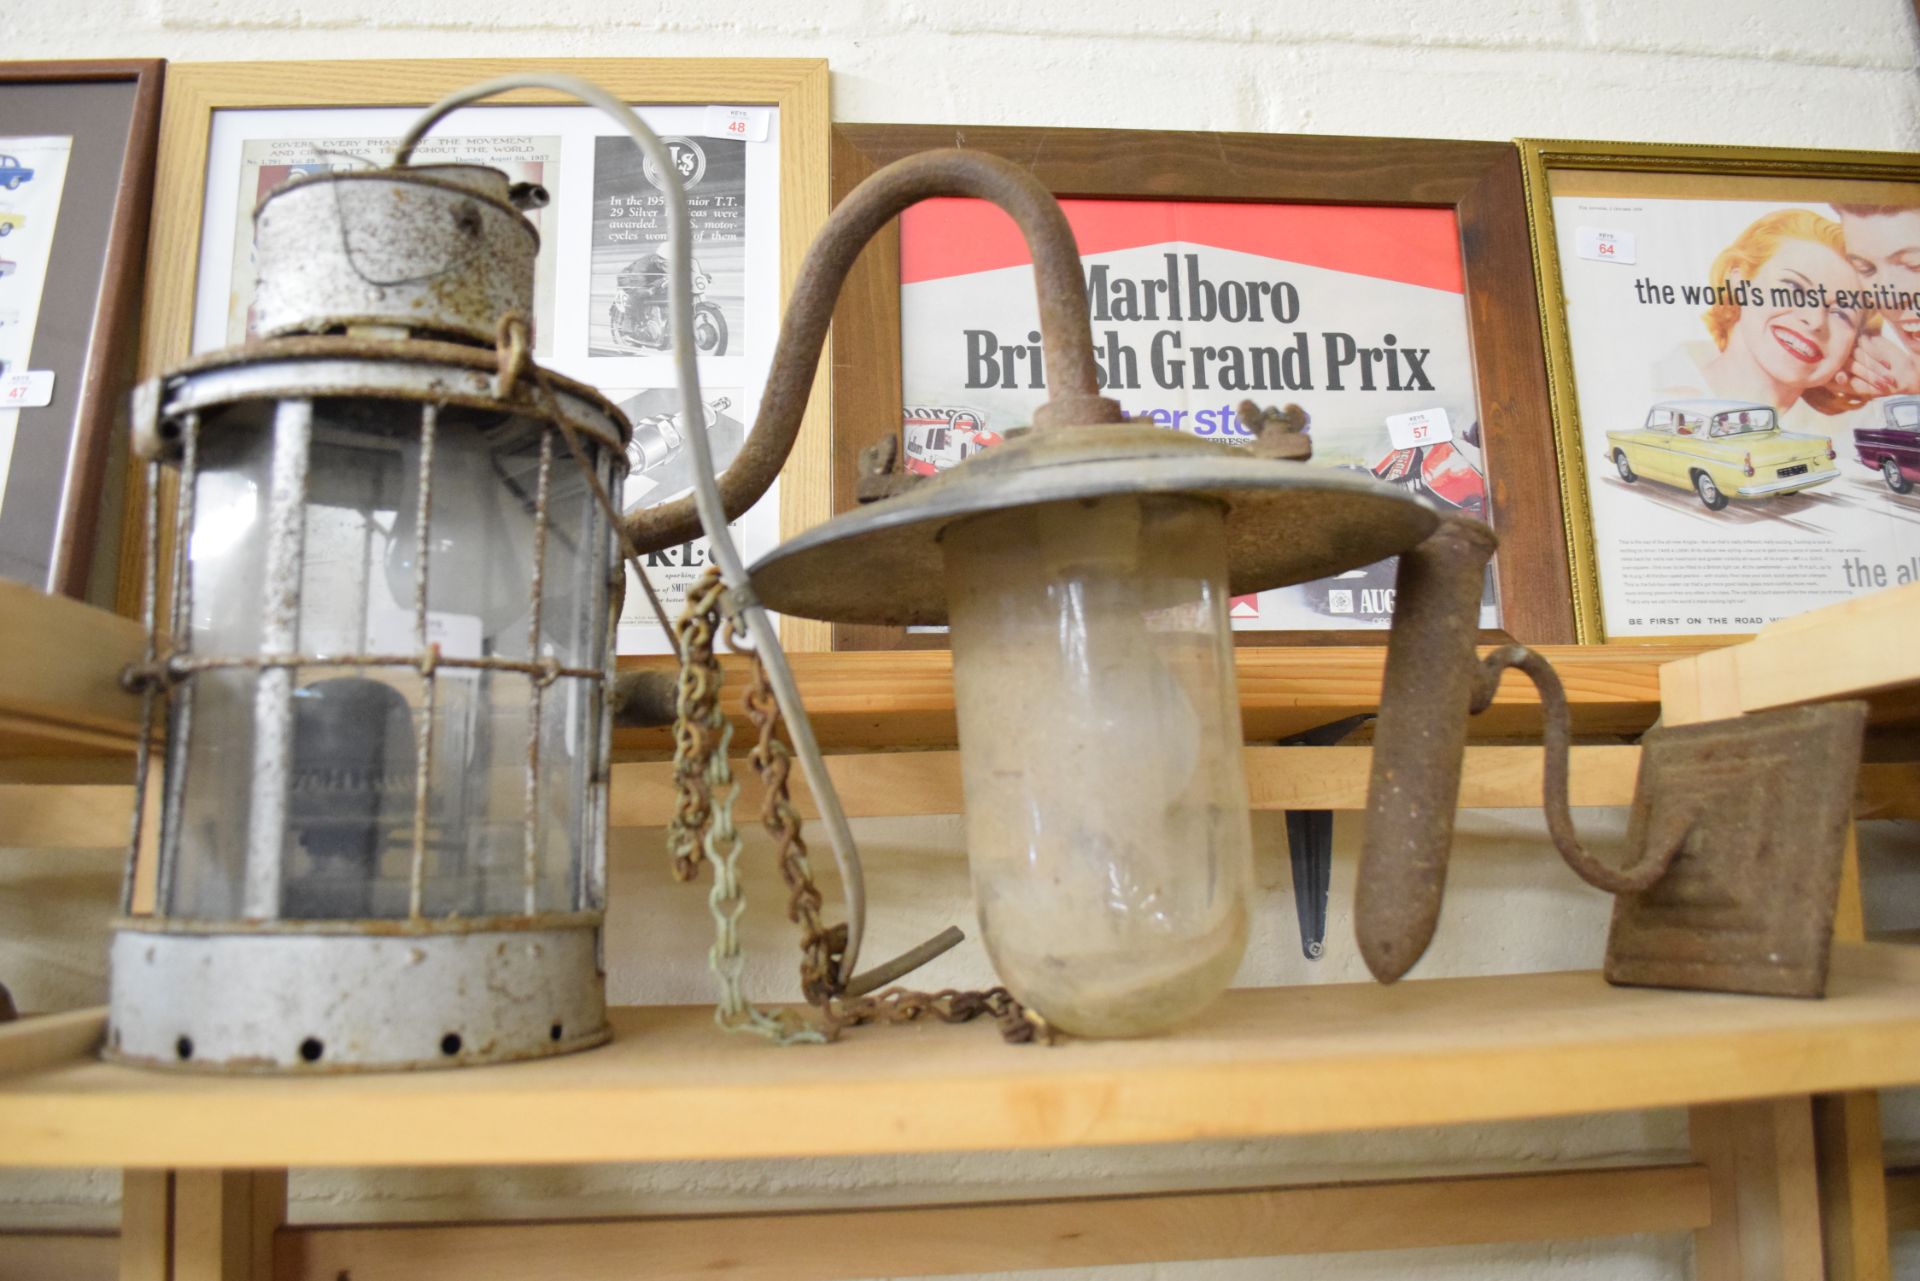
380 840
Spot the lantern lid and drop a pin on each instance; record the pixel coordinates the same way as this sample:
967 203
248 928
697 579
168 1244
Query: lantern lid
435 250
1287 521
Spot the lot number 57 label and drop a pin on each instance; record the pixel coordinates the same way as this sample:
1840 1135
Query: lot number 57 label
1422 427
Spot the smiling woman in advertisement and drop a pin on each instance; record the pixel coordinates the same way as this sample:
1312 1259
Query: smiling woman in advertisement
1781 338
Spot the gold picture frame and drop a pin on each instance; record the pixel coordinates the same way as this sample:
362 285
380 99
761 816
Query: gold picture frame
1662 171
797 87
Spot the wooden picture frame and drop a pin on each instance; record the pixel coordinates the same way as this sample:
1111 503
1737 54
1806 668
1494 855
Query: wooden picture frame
1682 174
61 503
196 91
1478 181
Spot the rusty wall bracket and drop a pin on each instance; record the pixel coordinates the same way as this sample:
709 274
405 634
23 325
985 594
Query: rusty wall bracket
1433 684
1753 813
1732 859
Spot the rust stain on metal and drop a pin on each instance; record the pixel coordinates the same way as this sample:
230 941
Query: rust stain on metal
1433 684
419 370
880 472
1556 744
440 249
1753 812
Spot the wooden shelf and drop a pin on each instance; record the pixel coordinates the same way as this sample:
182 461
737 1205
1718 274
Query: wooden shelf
1261 1063
894 699
894 784
61 705
60 695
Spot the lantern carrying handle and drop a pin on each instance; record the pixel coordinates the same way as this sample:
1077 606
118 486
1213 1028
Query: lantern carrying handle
711 512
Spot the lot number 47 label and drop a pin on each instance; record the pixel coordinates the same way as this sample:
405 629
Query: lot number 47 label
30 390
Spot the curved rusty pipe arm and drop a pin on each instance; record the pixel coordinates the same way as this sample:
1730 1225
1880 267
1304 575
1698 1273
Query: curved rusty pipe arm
1433 684
1066 333
1556 739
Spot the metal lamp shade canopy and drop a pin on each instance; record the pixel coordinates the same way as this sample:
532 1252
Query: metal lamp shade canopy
380 841
1286 522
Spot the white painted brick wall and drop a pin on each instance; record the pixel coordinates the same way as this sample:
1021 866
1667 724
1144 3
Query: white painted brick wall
1831 73
1827 74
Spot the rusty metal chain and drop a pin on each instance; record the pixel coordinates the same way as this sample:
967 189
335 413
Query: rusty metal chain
702 829
695 740
701 735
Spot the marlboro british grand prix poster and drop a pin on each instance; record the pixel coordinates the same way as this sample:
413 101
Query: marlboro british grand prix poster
1356 314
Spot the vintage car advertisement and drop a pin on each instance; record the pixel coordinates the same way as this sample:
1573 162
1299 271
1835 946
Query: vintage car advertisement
1358 315
1746 364
1710 447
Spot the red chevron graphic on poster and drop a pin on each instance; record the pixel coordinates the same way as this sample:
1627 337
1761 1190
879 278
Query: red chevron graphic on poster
1357 314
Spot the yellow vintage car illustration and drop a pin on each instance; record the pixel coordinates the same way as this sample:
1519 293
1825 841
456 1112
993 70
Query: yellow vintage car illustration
1721 449
10 220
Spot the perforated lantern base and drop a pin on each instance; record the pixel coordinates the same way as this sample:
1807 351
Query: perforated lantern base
328 996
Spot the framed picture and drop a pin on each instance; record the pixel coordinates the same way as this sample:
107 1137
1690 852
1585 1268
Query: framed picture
76 180
1379 283
750 137
1733 344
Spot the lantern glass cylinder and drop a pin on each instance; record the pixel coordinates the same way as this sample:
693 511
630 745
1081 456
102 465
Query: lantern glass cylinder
1107 817
300 785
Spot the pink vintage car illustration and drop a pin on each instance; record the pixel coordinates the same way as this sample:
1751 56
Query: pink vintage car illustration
1892 446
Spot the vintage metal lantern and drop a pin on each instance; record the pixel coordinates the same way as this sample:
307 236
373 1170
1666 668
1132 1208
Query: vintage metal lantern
1085 567
379 840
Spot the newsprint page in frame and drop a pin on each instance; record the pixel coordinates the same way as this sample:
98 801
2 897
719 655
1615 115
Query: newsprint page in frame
600 280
